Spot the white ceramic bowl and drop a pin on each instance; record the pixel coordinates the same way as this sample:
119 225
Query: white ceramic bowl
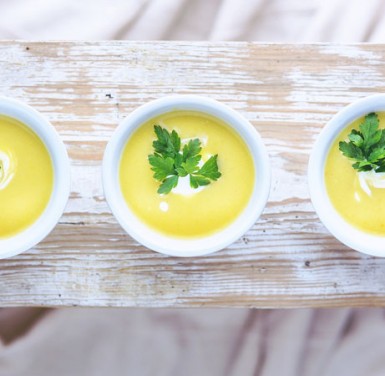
176 246
342 230
46 222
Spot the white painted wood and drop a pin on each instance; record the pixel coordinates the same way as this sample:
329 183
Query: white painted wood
288 92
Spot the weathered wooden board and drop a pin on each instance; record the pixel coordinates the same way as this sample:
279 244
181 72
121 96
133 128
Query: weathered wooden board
288 92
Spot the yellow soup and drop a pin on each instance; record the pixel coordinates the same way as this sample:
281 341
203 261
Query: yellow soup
204 211
363 210
26 177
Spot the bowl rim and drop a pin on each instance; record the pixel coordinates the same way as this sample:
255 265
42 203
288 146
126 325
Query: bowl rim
184 247
38 230
346 233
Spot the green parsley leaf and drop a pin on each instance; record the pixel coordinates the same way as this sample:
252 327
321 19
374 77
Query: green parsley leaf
181 172
167 145
161 166
377 154
369 129
366 146
210 168
169 163
196 181
356 138
191 149
351 151
191 164
209 171
168 184
381 168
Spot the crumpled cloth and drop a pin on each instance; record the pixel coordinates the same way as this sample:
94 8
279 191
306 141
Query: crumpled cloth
340 21
204 342
226 342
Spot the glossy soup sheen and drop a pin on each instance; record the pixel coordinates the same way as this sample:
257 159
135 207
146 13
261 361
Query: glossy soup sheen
26 180
366 212
204 212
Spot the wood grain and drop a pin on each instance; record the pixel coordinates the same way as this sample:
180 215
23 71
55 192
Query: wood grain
288 92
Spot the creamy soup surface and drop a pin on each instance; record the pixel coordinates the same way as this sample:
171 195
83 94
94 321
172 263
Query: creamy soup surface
26 177
200 212
365 209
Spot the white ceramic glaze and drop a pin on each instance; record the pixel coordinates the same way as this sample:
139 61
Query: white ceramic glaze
32 235
182 246
333 221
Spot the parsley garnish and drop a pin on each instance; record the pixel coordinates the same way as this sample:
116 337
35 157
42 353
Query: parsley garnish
169 162
366 146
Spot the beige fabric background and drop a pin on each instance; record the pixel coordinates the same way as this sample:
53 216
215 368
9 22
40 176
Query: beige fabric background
205 341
